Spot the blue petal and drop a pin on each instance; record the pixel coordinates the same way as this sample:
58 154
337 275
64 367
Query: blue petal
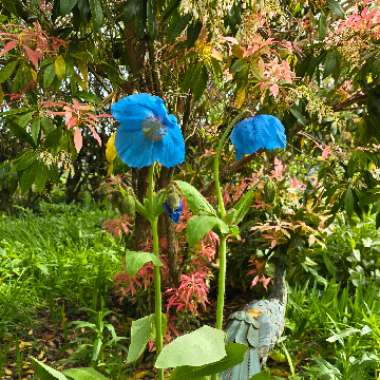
258 132
138 150
174 215
170 151
134 148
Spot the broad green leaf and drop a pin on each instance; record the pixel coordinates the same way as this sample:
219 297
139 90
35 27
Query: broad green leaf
45 372
25 160
378 220
42 176
199 225
49 75
235 354
85 373
197 202
200 347
135 260
36 125
297 114
66 6
141 331
322 26
60 67
349 201
27 177
336 8
331 62
7 71
96 13
23 120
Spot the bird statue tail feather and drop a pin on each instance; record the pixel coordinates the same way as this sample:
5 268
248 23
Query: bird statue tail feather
243 329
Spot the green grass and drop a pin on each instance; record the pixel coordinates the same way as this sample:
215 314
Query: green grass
57 266
55 263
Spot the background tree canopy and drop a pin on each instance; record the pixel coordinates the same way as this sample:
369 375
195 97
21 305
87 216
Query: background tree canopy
313 64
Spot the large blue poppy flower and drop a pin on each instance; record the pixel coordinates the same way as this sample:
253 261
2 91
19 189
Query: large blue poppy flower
258 132
147 133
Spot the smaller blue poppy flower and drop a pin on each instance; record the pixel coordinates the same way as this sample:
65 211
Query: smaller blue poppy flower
174 214
258 132
147 133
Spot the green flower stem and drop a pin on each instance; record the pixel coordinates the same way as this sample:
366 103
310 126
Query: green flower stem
222 254
157 273
222 251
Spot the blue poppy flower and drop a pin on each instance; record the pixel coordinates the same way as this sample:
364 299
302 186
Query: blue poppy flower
147 133
258 132
174 214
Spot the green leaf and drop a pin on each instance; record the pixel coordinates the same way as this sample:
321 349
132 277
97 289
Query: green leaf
25 160
42 176
27 177
48 76
66 6
196 78
322 26
297 114
60 67
202 346
151 18
45 372
199 225
96 13
85 373
36 125
349 201
7 71
235 354
331 62
197 202
378 220
135 260
141 331
336 8
23 120
241 208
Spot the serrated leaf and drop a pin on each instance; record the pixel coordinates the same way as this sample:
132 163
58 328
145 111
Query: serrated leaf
200 347
7 71
60 67
235 354
135 260
141 332
66 6
85 373
197 202
45 372
96 13
199 225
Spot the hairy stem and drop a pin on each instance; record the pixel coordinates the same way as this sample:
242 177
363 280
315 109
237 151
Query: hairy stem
157 274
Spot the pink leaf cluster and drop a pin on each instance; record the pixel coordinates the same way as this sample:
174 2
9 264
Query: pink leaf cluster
191 293
118 226
275 72
34 42
75 115
366 20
